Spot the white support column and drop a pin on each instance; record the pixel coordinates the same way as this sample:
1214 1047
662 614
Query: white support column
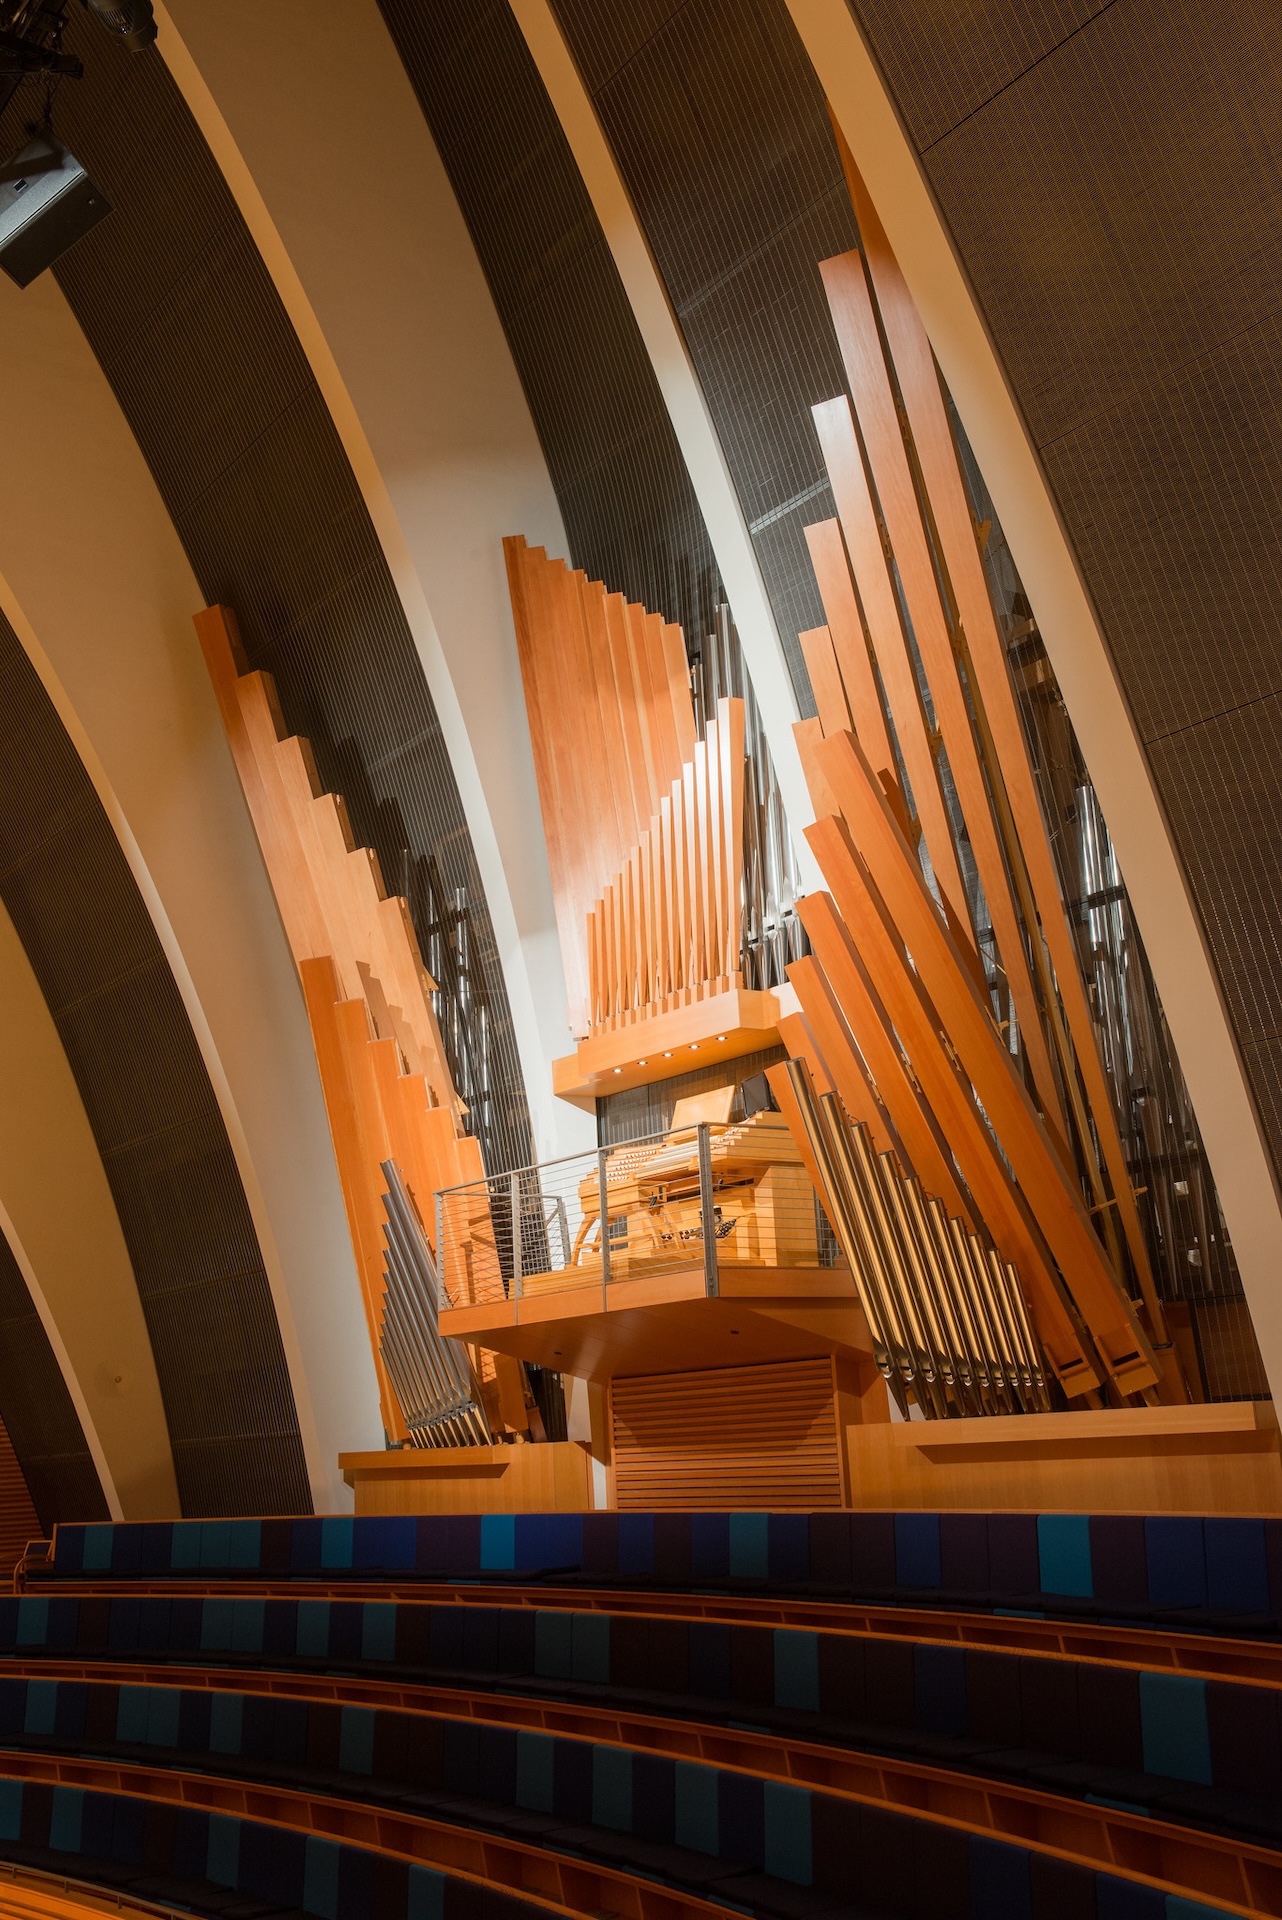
1154 875
101 596
369 252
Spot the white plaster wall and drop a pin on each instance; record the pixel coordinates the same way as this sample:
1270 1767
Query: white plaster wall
97 587
322 142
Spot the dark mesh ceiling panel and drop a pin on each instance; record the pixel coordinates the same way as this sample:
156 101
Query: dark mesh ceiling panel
721 133
1112 176
629 509
38 1412
101 968
183 316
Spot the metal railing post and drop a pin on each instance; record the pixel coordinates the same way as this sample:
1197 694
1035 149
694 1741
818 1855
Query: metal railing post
603 1202
515 1201
708 1212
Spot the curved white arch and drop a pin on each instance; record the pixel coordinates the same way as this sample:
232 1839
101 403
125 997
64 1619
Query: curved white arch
1155 878
368 250
101 596
57 1213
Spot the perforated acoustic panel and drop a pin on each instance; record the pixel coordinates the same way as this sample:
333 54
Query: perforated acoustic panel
1110 175
205 1294
43 1455
182 314
629 508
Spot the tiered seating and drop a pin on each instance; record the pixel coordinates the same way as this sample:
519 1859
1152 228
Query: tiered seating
699 1721
1222 1574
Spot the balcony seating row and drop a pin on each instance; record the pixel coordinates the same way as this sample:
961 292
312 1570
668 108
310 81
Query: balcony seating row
766 1848
701 1726
1223 1574
229 1867
1201 1749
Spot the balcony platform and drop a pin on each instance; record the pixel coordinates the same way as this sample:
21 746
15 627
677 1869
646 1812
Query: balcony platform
723 1026
665 1322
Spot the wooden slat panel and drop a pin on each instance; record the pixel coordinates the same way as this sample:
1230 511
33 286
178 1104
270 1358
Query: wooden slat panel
925 1153
850 644
924 404
341 1067
608 695
742 1437
851 306
1048 1189
330 893
801 1044
836 1053
836 429
825 681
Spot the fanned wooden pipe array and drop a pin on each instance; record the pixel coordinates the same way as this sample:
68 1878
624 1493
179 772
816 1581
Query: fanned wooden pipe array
389 1094
896 1015
669 927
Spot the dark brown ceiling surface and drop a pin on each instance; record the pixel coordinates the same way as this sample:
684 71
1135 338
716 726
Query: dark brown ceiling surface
205 1294
631 517
183 316
1112 177
721 133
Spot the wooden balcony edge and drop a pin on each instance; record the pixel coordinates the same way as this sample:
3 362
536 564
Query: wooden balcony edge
1116 1424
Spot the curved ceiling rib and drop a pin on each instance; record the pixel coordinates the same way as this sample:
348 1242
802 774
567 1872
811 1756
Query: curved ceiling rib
57 1213
104 976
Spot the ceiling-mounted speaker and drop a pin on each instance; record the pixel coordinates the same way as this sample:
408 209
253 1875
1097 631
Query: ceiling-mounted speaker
47 203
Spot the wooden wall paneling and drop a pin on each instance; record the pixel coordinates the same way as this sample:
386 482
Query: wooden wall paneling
839 444
1050 1190
923 1148
937 455
850 643
826 682
951 1100
855 323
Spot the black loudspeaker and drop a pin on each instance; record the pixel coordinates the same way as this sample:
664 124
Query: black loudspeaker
47 201
757 1097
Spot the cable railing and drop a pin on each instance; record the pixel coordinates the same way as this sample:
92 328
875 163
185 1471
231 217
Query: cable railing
674 1202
